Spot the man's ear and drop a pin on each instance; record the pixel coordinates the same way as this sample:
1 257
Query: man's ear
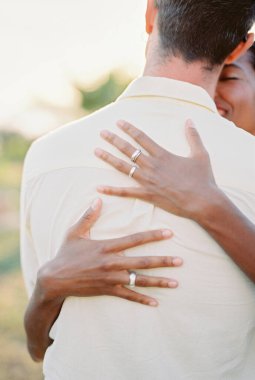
151 13
241 49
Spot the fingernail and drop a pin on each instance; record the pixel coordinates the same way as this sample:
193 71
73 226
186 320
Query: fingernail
100 189
172 284
177 261
98 152
153 303
104 133
95 204
167 234
190 124
121 123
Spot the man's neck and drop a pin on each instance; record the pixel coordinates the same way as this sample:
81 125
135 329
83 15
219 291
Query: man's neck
176 68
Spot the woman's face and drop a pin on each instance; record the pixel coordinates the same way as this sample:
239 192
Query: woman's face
235 93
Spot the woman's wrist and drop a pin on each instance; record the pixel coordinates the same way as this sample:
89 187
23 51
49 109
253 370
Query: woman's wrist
205 207
211 208
47 289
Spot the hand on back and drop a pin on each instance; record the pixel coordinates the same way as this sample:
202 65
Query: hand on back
85 267
180 185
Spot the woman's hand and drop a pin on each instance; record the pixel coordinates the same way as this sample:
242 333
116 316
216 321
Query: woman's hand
185 187
85 267
176 184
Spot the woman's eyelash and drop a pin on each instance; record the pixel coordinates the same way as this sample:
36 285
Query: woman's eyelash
229 78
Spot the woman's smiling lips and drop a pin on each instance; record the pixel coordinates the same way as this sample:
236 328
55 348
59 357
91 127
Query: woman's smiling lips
223 111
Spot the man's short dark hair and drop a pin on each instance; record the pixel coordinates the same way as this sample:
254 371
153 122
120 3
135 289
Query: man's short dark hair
205 30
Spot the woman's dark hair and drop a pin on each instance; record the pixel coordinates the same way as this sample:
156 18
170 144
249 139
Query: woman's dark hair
205 30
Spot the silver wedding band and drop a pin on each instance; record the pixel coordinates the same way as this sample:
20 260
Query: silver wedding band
132 279
136 155
132 171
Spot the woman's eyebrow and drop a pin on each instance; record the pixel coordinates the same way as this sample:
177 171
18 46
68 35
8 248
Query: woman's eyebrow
232 65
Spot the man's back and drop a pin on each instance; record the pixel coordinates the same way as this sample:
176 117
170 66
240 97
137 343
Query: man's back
203 330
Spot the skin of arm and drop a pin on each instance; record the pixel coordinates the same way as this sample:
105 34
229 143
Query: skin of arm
184 186
85 267
40 316
231 229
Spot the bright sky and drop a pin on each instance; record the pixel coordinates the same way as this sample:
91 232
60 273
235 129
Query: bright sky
46 43
91 34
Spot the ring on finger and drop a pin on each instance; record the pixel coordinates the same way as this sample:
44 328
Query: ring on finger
136 155
132 171
132 279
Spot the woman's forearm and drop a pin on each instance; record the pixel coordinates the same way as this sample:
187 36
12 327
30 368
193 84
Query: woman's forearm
231 229
40 315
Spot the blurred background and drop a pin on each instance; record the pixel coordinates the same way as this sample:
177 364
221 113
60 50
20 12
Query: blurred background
60 60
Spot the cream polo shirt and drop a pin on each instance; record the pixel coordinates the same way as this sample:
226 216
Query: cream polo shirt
205 329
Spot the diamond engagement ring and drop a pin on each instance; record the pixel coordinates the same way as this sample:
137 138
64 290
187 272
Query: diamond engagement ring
132 171
132 279
136 155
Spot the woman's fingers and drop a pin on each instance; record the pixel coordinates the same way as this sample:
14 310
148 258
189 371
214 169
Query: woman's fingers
117 163
135 240
122 145
126 192
84 224
197 147
140 137
121 278
155 282
131 295
121 263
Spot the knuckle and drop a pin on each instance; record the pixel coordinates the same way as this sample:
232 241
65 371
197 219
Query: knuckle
114 139
137 134
137 238
117 290
193 132
123 145
104 155
166 261
108 266
142 281
145 262
119 165
122 192
142 236
130 297
203 155
143 301
86 217
156 235
162 284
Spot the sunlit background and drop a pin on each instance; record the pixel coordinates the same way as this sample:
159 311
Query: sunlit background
60 60
50 46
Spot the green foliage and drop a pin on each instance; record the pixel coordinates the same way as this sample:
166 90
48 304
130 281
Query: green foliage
105 93
13 146
15 362
9 252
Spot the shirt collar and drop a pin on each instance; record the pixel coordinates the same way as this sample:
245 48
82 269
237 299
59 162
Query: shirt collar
169 88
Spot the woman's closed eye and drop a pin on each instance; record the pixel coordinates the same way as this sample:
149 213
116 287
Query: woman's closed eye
230 73
226 78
